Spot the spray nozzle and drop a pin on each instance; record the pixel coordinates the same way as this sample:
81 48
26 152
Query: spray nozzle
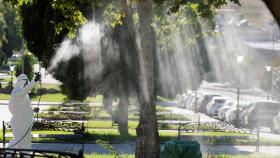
37 76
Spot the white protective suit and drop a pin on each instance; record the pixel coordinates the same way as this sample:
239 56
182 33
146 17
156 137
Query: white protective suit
22 113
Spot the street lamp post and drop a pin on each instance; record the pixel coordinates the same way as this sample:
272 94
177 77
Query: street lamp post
239 59
12 67
269 69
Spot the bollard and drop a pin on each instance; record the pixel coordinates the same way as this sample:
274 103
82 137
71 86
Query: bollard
179 131
4 133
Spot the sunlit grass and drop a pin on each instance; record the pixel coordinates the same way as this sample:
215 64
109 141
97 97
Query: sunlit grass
160 98
4 96
45 98
97 99
7 79
58 97
49 86
108 124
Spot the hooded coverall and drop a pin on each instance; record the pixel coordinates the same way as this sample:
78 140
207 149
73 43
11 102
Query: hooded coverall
22 113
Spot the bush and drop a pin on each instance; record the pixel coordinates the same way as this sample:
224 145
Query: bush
63 116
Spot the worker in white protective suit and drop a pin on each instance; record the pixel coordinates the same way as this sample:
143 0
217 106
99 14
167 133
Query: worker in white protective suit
22 113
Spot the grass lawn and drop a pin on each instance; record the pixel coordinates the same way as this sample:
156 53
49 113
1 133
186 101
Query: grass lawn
108 124
4 96
7 79
49 86
53 98
160 98
95 99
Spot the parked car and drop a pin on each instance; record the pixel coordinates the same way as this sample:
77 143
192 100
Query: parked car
231 113
261 113
193 104
189 100
214 105
206 98
222 111
276 124
182 99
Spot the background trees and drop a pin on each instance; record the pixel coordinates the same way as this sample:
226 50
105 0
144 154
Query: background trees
10 35
27 62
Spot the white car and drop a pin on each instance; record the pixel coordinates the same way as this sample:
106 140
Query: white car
205 99
222 110
261 113
231 113
193 103
214 105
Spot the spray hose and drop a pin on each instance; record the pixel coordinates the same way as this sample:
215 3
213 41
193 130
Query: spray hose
36 110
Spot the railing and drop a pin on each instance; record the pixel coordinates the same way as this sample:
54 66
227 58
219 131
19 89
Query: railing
191 127
31 153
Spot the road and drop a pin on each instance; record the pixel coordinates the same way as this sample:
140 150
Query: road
232 93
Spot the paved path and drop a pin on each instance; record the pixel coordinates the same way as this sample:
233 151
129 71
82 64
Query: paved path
191 114
129 148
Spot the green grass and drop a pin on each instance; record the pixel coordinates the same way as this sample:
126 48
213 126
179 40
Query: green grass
7 79
4 85
112 135
160 98
51 98
49 86
96 99
108 124
4 96
46 98
51 132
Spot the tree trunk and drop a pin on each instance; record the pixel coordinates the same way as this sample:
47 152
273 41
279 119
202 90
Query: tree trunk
147 144
273 6
123 115
108 102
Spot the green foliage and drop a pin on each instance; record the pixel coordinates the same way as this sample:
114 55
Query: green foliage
3 25
2 58
28 61
72 16
13 32
205 8
47 22
38 22
113 15
72 74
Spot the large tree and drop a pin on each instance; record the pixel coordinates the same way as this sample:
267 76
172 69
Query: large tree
273 6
